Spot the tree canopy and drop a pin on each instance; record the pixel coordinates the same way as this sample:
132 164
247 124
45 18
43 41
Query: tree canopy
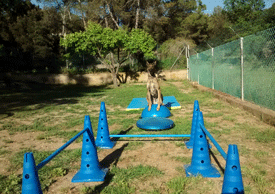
30 35
112 47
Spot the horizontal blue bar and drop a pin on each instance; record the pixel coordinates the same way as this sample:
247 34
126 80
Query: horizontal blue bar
50 157
214 141
155 135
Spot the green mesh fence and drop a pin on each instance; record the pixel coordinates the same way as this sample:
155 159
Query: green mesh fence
222 71
259 68
227 69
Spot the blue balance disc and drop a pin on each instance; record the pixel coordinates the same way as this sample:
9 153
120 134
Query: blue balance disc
163 112
155 123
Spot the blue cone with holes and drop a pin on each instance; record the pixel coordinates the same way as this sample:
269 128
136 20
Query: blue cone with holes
90 169
200 163
232 181
30 179
196 110
103 135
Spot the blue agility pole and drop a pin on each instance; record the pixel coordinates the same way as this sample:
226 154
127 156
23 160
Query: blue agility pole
50 157
214 142
142 135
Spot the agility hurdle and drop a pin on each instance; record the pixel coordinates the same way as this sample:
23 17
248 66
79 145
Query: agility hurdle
149 136
90 170
201 165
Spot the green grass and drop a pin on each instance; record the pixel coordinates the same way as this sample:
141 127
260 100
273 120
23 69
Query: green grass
265 136
179 184
122 179
214 115
134 145
58 167
184 160
58 112
257 175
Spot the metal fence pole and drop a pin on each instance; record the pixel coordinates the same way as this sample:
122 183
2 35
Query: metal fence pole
242 69
213 86
187 61
198 68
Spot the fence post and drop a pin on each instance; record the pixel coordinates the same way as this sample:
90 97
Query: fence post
187 61
198 69
242 69
213 86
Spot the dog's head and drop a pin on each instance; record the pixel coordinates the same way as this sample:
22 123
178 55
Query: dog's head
151 68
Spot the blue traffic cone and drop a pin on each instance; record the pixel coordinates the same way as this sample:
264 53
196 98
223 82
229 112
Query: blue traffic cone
189 144
90 169
200 163
103 136
30 179
232 181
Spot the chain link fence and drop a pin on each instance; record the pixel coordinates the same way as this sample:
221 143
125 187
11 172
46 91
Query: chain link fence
243 68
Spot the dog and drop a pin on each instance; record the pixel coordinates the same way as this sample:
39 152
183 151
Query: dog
154 95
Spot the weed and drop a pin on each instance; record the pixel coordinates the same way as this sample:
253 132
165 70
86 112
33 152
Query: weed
8 141
179 184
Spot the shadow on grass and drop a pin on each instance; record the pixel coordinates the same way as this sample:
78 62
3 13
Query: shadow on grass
216 160
123 132
22 94
106 162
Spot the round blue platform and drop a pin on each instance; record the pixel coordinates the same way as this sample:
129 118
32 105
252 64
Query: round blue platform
163 112
155 123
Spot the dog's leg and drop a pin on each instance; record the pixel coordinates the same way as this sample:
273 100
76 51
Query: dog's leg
160 99
149 100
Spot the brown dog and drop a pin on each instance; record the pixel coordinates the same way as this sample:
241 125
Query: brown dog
154 95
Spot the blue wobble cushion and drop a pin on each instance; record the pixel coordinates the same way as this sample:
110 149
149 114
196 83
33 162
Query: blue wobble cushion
163 112
155 123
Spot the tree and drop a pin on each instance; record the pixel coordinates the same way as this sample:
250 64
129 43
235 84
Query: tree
246 15
219 27
195 25
112 47
269 16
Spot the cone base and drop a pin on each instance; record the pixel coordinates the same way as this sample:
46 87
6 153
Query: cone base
210 172
189 144
232 187
105 144
97 176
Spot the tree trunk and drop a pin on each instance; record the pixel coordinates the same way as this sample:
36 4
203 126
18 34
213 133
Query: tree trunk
83 19
111 14
64 34
114 76
137 14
